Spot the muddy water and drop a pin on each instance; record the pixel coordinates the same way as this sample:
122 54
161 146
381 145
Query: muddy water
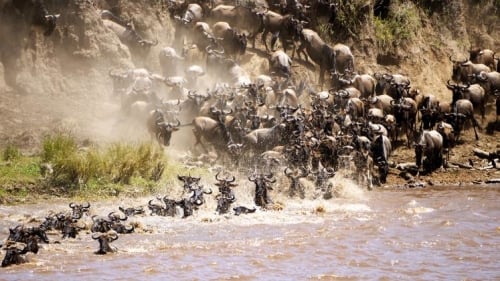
446 233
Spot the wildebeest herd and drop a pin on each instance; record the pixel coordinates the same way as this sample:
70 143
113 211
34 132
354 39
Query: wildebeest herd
282 117
276 121
105 229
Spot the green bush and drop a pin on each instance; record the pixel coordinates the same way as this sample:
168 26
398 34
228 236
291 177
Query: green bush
58 146
351 16
402 24
117 164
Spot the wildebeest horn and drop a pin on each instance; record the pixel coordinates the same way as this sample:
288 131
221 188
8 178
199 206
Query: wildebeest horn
288 172
252 178
217 177
72 205
177 123
113 236
96 236
482 76
269 177
86 206
232 179
208 192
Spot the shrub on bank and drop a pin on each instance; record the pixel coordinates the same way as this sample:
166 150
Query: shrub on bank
116 164
87 171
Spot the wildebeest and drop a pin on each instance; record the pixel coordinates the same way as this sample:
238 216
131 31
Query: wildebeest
463 70
283 26
104 242
183 23
295 185
71 229
233 41
429 150
280 63
160 128
405 111
100 224
462 111
489 81
262 139
170 61
35 13
482 56
245 19
319 52
132 211
214 132
14 252
262 185
187 207
243 210
129 36
79 209
365 83
381 149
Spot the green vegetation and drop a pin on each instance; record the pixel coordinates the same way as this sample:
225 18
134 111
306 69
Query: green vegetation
402 24
10 153
351 17
86 172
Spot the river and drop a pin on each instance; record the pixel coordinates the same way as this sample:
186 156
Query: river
432 233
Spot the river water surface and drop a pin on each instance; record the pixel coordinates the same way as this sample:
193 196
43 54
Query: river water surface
434 233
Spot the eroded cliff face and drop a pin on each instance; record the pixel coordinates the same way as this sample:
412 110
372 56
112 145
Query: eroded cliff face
44 79
73 58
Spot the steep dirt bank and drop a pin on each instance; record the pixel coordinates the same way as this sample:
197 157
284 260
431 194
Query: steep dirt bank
61 80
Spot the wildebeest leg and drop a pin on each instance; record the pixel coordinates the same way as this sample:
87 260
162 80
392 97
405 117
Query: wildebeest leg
321 76
300 50
198 136
264 38
474 125
273 41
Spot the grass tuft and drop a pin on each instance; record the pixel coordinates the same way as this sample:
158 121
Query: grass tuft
10 153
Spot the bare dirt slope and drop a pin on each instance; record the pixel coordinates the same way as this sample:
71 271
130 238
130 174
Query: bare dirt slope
61 80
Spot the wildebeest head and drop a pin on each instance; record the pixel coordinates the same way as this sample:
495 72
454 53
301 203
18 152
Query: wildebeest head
163 129
131 211
79 209
225 184
457 69
13 253
243 210
295 185
189 182
197 195
457 90
224 201
104 242
114 217
262 182
100 224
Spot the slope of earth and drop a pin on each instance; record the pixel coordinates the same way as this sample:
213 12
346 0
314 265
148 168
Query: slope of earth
61 82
